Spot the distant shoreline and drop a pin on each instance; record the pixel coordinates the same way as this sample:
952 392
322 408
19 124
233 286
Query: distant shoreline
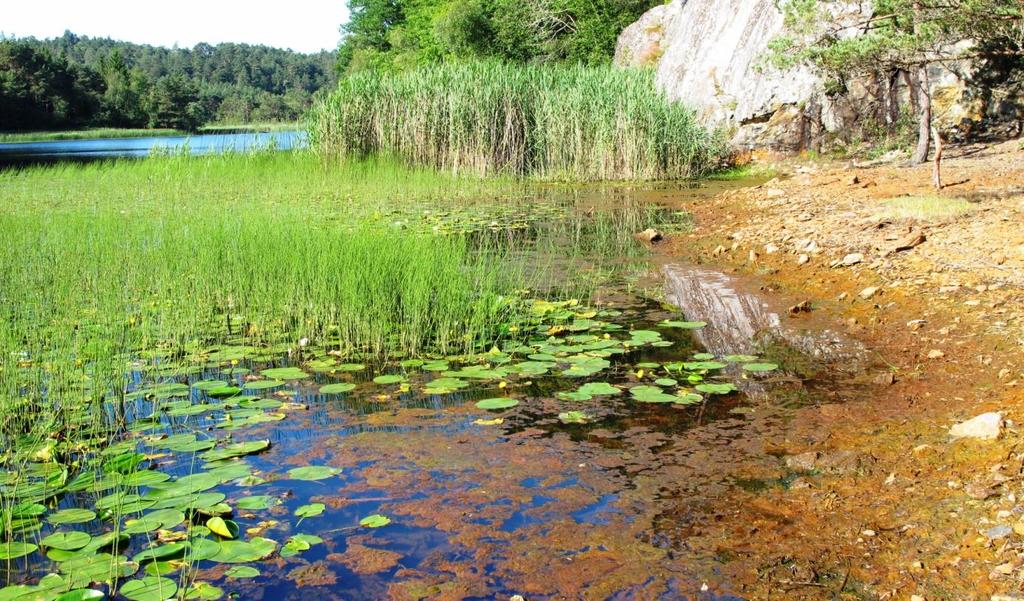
114 132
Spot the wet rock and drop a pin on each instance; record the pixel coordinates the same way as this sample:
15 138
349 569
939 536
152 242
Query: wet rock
987 426
834 462
999 532
650 235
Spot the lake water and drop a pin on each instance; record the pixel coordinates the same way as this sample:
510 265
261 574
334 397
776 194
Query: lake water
78 150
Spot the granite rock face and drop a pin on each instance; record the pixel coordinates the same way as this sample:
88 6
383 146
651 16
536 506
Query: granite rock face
710 54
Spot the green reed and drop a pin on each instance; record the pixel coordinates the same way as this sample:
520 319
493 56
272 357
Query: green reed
551 122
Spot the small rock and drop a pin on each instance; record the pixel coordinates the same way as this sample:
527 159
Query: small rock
803 462
843 296
979 490
853 181
916 598
770 249
916 324
869 292
1007 598
936 354
987 426
775 193
852 259
868 533
650 235
753 256
886 378
999 258
718 250
999 532
516 598
803 307
1018 527
913 239
803 260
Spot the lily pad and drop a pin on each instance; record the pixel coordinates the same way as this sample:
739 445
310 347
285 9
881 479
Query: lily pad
651 394
312 472
714 388
150 588
310 511
242 572
71 516
204 591
263 384
683 325
235 551
759 367
599 389
66 541
573 417
223 528
238 449
285 373
389 379
497 403
337 388
375 521
15 549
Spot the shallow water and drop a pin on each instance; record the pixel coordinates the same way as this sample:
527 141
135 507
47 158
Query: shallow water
22 153
482 509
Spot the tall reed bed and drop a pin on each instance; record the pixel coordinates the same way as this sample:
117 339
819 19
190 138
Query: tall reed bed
551 122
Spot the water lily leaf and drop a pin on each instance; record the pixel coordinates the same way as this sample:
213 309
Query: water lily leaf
81 594
312 472
375 521
150 588
240 572
205 385
66 541
573 417
145 478
263 384
713 388
389 379
201 549
498 403
666 382
162 552
760 367
15 549
71 516
337 388
702 365
599 389
222 527
740 358
204 591
575 395
683 325
234 551
651 394
124 463
350 367
285 373
703 357
236 450
257 502
688 399
310 511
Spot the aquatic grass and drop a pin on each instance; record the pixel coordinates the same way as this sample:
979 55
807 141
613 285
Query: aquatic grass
923 208
552 122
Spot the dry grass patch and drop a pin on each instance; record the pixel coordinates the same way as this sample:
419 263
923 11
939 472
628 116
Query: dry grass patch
925 208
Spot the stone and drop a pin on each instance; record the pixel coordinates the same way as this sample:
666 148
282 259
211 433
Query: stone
650 235
936 354
803 462
913 239
987 426
852 259
999 532
869 292
803 260
770 249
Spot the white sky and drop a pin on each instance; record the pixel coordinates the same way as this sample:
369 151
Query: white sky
303 25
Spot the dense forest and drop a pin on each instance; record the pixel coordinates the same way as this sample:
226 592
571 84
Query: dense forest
399 34
75 81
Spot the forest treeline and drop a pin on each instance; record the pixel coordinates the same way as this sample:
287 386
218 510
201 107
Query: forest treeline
400 34
77 81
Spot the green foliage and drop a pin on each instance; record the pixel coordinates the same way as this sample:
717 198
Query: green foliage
899 34
75 81
489 118
400 34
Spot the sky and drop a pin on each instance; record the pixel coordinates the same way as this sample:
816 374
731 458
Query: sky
303 25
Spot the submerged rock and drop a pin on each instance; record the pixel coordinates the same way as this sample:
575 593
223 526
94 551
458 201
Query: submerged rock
987 426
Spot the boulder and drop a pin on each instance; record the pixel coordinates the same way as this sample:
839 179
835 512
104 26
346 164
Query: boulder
987 426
